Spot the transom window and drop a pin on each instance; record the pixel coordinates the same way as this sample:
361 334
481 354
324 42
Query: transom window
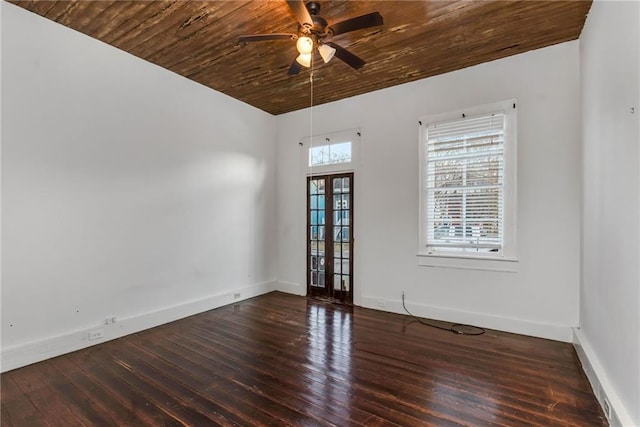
334 152
330 154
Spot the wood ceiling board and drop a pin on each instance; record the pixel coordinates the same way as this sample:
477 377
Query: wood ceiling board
179 33
225 40
83 14
51 10
419 39
121 18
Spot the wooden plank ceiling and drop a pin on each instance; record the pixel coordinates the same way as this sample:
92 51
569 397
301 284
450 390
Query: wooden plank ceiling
419 39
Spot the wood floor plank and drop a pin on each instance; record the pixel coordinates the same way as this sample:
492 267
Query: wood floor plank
17 409
463 388
346 387
110 406
268 379
372 393
281 359
180 413
43 396
276 409
5 418
144 406
181 384
203 376
78 404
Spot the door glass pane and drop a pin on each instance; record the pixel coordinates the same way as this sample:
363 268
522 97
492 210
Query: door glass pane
314 262
345 265
345 201
314 217
345 234
337 282
313 187
314 232
320 233
322 263
336 234
337 185
321 186
345 185
345 283
337 202
345 250
321 279
337 265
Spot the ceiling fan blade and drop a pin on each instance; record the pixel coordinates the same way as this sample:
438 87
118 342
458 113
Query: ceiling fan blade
302 14
359 22
267 37
295 68
346 56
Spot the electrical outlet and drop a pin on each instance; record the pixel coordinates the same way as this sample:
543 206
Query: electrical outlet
110 320
236 295
382 304
96 335
606 407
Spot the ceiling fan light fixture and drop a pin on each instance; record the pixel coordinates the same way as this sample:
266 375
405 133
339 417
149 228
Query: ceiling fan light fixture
313 29
304 59
326 52
304 45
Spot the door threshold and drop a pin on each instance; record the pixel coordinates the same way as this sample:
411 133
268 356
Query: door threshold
330 300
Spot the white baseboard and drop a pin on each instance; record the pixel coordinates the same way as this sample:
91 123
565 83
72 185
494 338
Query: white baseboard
602 387
36 351
291 288
499 323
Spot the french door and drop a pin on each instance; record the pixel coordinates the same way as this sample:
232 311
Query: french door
330 237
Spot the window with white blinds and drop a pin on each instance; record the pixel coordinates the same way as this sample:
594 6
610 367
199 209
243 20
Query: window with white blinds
464 183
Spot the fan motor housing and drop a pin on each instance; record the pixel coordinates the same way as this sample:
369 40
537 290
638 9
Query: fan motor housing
313 7
319 23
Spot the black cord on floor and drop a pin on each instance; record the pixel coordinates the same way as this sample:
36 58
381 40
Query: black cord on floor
456 328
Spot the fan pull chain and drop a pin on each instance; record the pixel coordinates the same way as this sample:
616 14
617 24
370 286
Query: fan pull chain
311 118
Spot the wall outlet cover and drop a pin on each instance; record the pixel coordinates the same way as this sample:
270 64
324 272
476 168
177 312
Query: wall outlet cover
96 335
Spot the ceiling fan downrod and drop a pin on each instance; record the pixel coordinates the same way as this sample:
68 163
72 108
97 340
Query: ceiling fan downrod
319 28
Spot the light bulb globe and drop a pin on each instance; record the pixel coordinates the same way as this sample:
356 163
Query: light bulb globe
304 59
304 45
326 52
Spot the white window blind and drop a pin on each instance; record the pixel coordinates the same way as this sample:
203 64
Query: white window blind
465 185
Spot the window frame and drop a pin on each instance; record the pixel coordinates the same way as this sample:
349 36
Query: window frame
506 259
333 138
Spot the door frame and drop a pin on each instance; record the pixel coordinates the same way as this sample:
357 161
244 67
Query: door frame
329 290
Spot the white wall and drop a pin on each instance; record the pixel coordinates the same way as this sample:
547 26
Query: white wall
542 297
127 191
610 291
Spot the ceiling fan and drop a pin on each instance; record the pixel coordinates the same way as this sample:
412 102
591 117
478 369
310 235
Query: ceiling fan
314 33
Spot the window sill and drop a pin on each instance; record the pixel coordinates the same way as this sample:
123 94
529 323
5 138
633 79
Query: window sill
462 262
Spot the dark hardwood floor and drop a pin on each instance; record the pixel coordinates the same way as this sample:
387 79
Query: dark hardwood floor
280 359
